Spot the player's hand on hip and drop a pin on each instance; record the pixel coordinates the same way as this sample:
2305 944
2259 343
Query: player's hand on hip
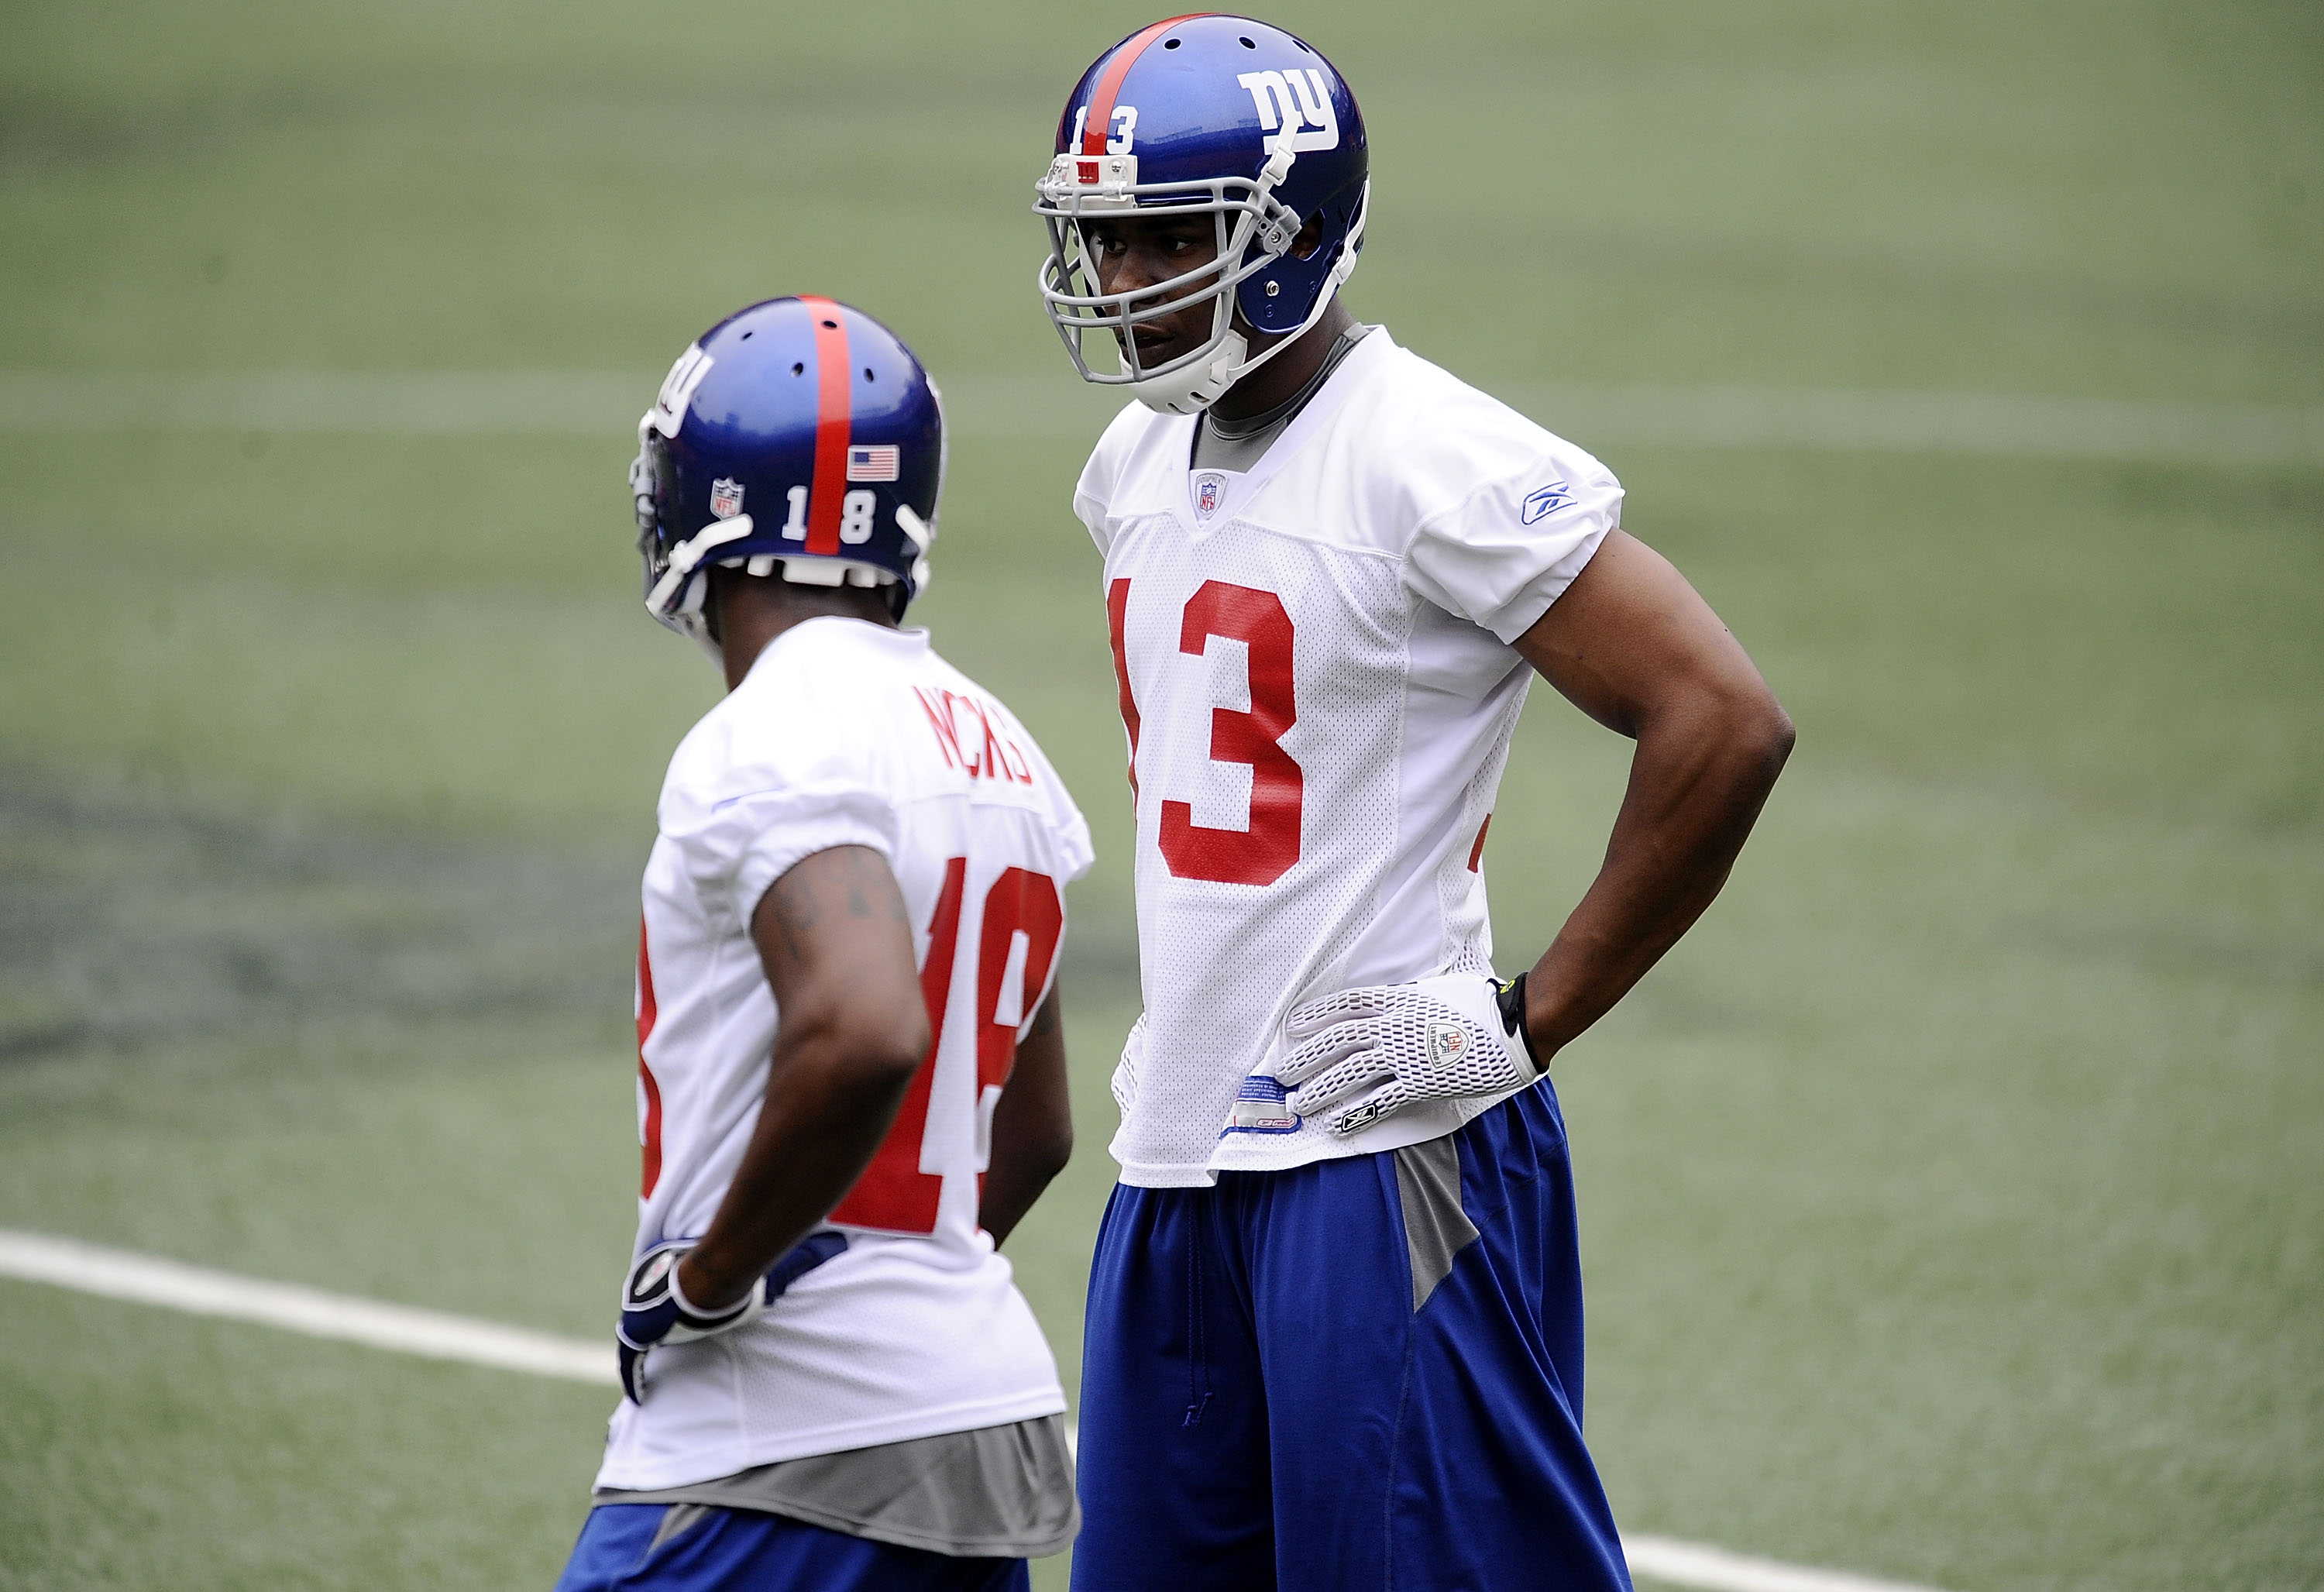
1364 1054
655 1309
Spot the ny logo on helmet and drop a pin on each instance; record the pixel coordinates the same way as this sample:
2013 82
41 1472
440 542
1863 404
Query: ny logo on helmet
1287 100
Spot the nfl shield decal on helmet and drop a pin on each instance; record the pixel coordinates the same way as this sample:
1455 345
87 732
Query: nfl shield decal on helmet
1210 487
725 498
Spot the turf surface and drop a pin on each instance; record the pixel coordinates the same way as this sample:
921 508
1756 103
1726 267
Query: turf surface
1950 1197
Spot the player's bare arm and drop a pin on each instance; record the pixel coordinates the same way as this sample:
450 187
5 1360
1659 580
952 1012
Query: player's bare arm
836 945
1634 647
1032 1125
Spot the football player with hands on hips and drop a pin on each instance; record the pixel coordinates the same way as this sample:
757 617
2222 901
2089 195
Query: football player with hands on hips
851 1070
1334 1332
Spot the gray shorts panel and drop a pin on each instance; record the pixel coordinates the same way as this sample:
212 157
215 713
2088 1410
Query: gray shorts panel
1435 1228
1001 1492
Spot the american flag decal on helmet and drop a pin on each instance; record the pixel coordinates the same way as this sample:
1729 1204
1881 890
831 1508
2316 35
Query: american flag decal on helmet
874 463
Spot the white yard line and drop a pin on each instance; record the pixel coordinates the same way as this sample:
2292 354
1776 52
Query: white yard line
1698 1564
598 403
148 1279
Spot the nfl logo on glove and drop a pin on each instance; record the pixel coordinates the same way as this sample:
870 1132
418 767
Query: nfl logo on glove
1447 1043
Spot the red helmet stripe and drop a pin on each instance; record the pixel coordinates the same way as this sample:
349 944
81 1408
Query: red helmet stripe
1100 121
833 421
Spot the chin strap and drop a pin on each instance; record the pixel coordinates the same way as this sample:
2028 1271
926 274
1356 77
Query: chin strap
1192 391
687 557
923 537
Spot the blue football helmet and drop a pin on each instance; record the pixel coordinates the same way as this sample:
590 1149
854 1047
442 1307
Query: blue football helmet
1216 114
801 438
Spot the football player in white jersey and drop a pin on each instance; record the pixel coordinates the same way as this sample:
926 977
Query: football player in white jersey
1335 1330
851 1075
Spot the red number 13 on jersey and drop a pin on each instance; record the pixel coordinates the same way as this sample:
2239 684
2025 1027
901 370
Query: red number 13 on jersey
1265 851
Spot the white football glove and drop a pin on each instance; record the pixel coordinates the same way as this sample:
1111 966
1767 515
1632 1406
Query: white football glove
1364 1054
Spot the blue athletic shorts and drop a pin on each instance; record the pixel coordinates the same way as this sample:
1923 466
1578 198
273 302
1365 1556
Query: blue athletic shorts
701 1548
1355 1374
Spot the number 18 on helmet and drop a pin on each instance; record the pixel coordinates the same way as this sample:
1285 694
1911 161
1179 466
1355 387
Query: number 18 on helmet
800 438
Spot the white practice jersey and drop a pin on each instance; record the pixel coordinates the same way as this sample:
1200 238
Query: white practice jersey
846 733
1316 678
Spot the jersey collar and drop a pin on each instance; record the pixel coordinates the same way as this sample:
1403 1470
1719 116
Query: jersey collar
911 637
1239 490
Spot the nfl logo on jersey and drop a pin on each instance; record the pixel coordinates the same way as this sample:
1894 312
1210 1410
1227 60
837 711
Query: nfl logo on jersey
725 498
1208 489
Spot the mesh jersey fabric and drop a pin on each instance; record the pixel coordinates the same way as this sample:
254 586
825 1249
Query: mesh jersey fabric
1317 683
845 733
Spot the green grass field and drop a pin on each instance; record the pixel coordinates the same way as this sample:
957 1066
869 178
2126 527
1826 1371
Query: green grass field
1951 1198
